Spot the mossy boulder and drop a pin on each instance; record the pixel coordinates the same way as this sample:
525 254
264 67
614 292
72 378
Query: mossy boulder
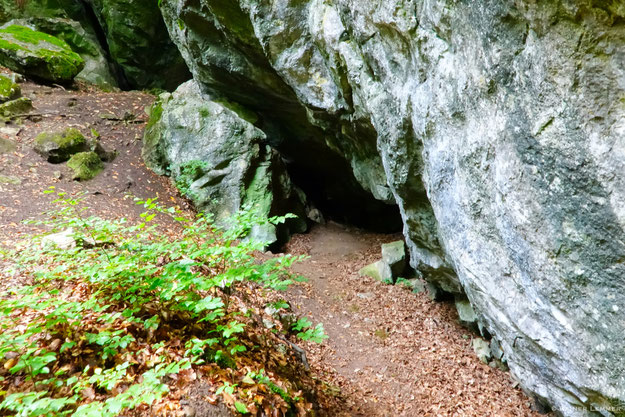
8 89
38 54
86 165
97 69
58 147
221 162
14 107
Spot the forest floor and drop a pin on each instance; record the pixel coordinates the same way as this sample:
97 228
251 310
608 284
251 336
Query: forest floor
390 351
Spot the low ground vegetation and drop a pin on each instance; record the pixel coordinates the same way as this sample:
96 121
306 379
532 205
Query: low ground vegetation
114 319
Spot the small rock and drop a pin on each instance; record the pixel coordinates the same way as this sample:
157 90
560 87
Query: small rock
372 270
15 77
466 314
57 175
8 89
482 349
316 216
14 107
7 146
63 240
86 165
11 355
55 345
59 146
10 131
364 295
106 156
188 411
394 255
10 179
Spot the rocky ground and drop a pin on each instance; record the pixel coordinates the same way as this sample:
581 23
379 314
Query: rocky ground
391 351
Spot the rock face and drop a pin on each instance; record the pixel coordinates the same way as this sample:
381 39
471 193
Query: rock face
220 160
496 126
139 43
38 54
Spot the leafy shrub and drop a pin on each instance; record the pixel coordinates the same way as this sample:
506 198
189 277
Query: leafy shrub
104 324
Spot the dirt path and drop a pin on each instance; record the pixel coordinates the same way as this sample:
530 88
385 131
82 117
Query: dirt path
392 352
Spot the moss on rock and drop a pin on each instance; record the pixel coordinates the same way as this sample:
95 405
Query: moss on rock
8 89
86 165
17 106
38 54
58 147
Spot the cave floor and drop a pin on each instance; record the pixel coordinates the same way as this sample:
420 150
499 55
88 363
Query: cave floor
390 351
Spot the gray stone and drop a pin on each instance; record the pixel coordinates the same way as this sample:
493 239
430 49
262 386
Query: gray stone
394 255
7 146
220 161
62 240
482 349
466 314
495 126
375 271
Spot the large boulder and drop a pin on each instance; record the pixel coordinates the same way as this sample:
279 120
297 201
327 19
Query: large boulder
38 54
497 128
344 177
220 160
97 69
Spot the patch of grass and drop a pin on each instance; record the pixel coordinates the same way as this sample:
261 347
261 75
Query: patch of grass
381 334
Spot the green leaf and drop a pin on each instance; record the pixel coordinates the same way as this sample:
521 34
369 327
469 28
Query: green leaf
241 408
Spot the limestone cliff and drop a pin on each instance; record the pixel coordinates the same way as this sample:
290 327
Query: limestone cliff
496 126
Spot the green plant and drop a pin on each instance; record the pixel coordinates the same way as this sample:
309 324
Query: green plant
307 332
106 321
189 173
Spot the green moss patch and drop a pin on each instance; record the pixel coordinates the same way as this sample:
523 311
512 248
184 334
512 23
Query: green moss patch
86 165
58 147
14 107
38 54
8 89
